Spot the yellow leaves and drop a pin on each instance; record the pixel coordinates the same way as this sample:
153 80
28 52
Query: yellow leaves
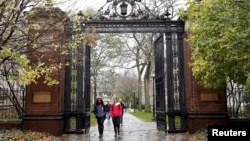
5 52
88 37
26 74
31 74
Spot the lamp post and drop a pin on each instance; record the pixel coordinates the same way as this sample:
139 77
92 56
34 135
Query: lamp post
153 118
134 101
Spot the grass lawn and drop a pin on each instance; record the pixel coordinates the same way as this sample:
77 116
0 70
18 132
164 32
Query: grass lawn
93 121
144 116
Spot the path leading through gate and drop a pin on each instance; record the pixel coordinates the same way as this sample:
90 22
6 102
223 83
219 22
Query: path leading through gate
133 129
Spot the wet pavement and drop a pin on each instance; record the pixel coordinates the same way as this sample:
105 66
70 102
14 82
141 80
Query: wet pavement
133 129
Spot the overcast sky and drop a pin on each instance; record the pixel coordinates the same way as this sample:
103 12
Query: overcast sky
77 5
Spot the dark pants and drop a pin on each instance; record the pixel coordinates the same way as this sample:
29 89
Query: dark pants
100 121
116 123
121 119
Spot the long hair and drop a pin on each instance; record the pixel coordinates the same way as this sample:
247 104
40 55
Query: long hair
97 103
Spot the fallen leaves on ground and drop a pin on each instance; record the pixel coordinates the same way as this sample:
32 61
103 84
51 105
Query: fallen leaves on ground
198 136
18 135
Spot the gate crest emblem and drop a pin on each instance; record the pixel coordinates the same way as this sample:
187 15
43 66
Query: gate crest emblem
123 9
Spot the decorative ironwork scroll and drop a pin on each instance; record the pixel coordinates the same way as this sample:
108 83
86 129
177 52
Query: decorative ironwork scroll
123 9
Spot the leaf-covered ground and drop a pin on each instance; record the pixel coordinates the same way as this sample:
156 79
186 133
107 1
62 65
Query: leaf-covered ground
200 135
18 135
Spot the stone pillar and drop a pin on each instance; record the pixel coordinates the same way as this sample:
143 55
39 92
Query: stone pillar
44 104
204 106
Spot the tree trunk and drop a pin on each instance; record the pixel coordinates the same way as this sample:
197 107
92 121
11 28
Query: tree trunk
147 87
139 93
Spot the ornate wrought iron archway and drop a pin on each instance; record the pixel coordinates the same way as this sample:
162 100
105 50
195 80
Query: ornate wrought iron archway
131 16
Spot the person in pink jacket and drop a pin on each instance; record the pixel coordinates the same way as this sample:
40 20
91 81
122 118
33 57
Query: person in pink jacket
116 113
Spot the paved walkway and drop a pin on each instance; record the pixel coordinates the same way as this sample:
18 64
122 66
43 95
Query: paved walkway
133 129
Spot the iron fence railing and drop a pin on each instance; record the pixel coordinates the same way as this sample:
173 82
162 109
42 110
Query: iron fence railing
238 102
241 112
8 110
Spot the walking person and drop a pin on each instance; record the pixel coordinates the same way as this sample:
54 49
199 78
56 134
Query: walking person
123 110
100 114
115 113
108 112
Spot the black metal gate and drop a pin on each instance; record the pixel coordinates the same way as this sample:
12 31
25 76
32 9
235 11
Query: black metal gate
160 83
77 91
169 75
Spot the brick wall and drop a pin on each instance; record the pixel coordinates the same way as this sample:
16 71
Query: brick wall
45 104
201 112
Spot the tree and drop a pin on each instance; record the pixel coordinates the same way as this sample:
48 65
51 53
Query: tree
14 40
143 52
107 82
220 45
126 85
17 43
104 59
163 7
219 38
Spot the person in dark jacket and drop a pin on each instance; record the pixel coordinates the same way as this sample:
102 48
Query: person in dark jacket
108 107
123 110
100 114
115 113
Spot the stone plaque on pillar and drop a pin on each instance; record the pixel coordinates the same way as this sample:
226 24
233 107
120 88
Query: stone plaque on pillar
209 96
41 97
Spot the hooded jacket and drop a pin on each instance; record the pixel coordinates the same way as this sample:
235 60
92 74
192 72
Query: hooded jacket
116 109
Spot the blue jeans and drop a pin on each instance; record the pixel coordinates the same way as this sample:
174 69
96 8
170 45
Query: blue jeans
108 115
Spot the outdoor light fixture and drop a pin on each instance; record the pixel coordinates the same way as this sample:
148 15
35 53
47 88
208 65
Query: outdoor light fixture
123 9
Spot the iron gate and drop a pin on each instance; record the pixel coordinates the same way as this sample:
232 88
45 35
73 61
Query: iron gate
160 83
169 75
77 91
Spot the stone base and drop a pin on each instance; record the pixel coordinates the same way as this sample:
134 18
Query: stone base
10 124
52 124
199 121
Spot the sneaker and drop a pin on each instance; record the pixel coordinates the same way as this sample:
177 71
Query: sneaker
115 135
100 136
